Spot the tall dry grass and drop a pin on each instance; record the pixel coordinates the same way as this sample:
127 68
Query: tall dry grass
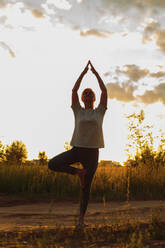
109 183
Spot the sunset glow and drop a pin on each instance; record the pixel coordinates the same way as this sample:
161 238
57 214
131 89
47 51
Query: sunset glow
44 46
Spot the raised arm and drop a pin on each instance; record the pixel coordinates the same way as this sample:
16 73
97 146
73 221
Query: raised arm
103 99
75 98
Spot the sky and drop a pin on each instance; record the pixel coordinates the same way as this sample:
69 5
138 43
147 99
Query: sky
45 45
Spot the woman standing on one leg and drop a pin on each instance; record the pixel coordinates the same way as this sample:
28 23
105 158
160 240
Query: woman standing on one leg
86 140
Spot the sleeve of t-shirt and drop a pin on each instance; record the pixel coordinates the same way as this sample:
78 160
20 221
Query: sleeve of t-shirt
101 108
76 107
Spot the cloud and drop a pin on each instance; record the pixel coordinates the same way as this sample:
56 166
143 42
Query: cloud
122 92
100 17
108 15
36 7
153 31
127 91
155 95
11 53
3 19
158 35
37 13
95 32
141 5
6 47
160 39
153 3
149 31
134 72
152 27
2 4
158 74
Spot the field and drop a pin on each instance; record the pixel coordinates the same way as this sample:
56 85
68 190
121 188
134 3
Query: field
109 183
39 208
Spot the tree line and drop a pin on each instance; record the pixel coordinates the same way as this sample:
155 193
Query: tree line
140 148
16 153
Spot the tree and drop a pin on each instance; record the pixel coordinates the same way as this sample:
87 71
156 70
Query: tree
16 153
42 157
67 146
137 136
2 151
140 148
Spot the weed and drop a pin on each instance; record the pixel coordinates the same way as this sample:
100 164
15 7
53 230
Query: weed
110 183
156 227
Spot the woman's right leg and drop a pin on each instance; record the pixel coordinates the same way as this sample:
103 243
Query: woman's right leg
62 162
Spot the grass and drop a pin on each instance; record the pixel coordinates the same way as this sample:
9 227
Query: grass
128 234
109 183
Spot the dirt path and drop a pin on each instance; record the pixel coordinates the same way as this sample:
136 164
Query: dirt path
18 213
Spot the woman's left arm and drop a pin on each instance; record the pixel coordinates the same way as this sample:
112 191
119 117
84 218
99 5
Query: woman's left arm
104 97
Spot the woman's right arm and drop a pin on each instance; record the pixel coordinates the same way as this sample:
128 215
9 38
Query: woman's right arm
75 98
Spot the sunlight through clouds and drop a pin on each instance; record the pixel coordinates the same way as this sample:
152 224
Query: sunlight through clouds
51 42
141 84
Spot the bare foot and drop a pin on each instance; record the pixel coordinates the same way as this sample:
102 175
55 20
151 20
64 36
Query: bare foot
81 223
81 173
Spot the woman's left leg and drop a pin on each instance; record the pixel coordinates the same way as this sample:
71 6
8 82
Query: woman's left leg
62 162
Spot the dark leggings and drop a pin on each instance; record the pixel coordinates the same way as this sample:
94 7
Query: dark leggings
88 157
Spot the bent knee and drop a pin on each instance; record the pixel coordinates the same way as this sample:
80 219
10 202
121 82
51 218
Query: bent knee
53 164
50 164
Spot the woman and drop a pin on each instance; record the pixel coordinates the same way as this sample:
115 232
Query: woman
86 140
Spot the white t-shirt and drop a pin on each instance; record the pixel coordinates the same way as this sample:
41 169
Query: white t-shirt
88 126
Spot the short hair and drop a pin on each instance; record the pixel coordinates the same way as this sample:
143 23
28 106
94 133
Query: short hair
89 89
